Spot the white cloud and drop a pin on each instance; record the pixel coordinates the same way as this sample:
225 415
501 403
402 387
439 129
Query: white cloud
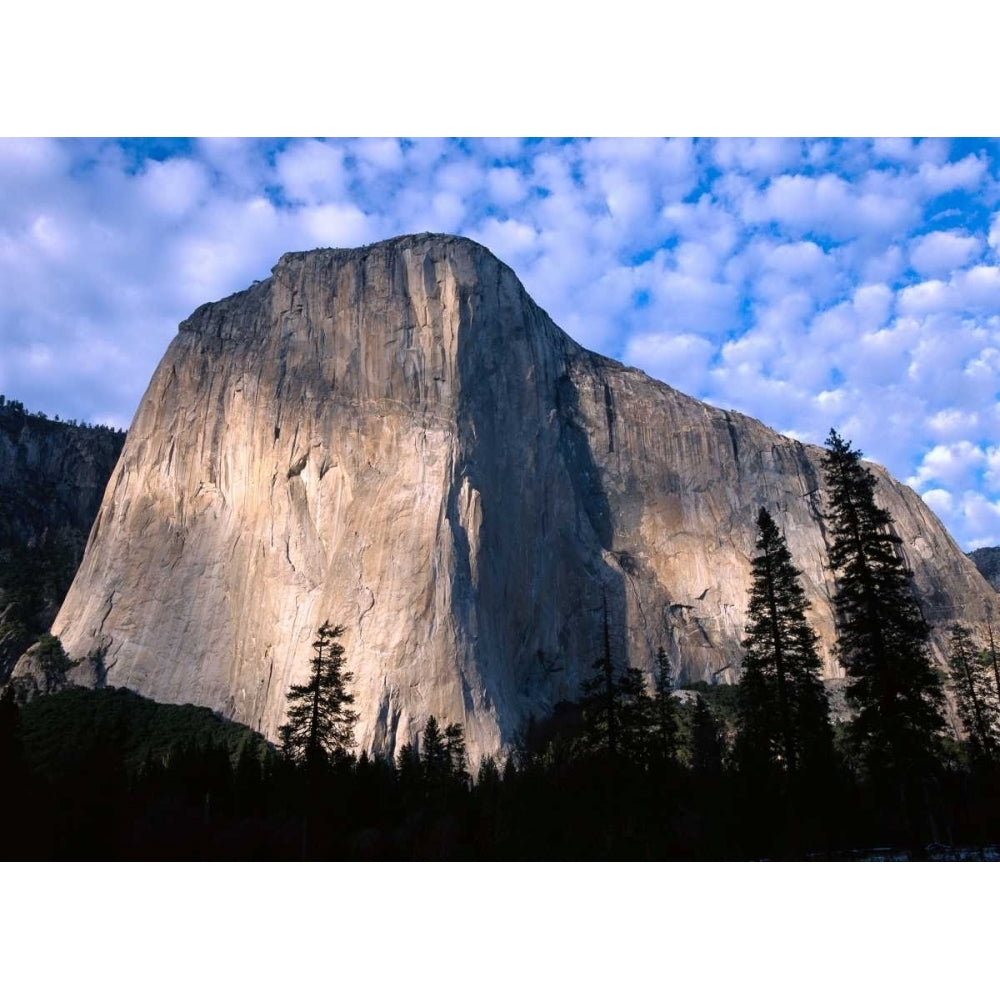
971 291
506 186
979 288
900 149
512 241
336 225
758 156
882 267
953 466
175 187
940 501
872 305
681 360
977 520
939 253
936 179
952 423
926 297
312 172
829 205
994 235
380 154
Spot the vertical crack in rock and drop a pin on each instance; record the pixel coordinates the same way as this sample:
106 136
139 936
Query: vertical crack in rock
609 413
733 442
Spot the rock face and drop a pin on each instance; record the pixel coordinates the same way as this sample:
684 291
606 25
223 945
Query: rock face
52 475
987 561
52 478
398 439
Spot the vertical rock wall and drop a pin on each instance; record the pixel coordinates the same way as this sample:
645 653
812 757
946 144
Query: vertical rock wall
398 439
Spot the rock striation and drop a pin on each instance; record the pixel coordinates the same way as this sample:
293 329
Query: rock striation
398 439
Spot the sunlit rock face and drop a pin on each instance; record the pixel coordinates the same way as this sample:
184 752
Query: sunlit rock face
398 439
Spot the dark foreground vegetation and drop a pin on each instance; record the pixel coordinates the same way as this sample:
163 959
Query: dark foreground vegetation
105 774
633 769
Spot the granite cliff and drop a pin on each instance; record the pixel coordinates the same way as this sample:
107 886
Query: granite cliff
398 439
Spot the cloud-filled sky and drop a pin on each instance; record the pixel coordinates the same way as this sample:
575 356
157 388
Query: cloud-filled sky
810 284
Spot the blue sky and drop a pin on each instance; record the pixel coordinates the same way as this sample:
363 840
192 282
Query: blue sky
810 284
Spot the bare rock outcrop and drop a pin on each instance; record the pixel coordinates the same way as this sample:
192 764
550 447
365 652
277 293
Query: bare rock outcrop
398 439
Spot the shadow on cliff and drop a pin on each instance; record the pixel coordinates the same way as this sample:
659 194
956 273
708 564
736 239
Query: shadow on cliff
535 612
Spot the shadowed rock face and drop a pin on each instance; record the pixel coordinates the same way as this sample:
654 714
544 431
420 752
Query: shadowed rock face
398 439
987 561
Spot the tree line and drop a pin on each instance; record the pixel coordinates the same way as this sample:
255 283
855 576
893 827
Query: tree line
629 769
892 766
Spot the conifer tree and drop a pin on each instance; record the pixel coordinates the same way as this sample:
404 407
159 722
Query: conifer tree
975 698
706 741
455 752
601 698
409 771
664 710
783 708
882 642
434 753
320 726
635 713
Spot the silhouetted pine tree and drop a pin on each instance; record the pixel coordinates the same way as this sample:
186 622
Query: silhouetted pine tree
454 748
601 699
991 657
975 697
434 754
635 713
320 724
783 707
409 771
706 741
882 636
664 711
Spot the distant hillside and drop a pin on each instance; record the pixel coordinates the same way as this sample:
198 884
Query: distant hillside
80 724
987 561
52 478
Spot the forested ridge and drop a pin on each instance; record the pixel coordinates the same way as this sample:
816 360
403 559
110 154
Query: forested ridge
52 477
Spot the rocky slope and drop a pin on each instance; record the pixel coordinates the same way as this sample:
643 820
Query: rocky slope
397 438
52 479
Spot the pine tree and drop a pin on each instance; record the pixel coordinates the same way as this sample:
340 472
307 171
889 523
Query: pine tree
458 758
883 638
706 741
974 694
783 708
664 712
409 771
434 753
635 713
991 657
601 701
320 726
